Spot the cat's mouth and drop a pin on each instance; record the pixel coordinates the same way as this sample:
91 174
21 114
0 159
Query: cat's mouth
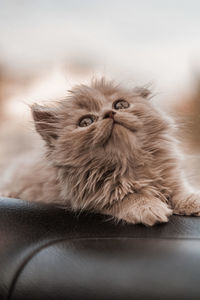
115 125
115 129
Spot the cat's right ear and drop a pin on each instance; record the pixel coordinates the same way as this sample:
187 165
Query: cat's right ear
143 92
46 123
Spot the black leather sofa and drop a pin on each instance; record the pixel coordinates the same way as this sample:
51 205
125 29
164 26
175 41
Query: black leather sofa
50 253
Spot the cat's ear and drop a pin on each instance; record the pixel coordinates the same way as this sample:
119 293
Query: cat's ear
46 122
143 92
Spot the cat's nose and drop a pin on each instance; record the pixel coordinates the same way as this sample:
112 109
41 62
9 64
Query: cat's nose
109 114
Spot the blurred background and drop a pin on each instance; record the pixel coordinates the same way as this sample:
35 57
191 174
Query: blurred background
46 46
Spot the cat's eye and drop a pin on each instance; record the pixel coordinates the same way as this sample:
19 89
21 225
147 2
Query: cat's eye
120 104
86 121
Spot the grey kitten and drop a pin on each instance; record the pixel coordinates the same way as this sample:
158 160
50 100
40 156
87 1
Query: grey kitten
108 150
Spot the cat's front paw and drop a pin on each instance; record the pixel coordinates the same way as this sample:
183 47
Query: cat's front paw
190 205
148 212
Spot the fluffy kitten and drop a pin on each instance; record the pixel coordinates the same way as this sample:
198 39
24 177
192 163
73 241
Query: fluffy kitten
107 150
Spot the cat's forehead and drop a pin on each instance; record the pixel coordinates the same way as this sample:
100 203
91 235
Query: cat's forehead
89 99
94 98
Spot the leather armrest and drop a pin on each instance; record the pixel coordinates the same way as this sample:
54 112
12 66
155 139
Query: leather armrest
50 253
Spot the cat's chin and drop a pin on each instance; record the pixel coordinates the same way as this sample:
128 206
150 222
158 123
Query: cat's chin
119 128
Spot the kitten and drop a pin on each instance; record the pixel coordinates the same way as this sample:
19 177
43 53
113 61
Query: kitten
107 150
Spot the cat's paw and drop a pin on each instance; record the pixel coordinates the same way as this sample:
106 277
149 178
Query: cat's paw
189 206
149 213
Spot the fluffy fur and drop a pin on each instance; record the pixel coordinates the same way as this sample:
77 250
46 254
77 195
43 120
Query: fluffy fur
124 164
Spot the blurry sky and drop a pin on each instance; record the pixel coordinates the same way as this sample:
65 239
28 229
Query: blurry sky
147 40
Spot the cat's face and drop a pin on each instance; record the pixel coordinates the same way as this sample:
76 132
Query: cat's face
100 122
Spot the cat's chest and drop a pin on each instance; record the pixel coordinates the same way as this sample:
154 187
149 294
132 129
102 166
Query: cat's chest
121 189
124 186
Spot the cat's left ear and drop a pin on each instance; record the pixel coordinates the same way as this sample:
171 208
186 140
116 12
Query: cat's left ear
143 92
46 122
